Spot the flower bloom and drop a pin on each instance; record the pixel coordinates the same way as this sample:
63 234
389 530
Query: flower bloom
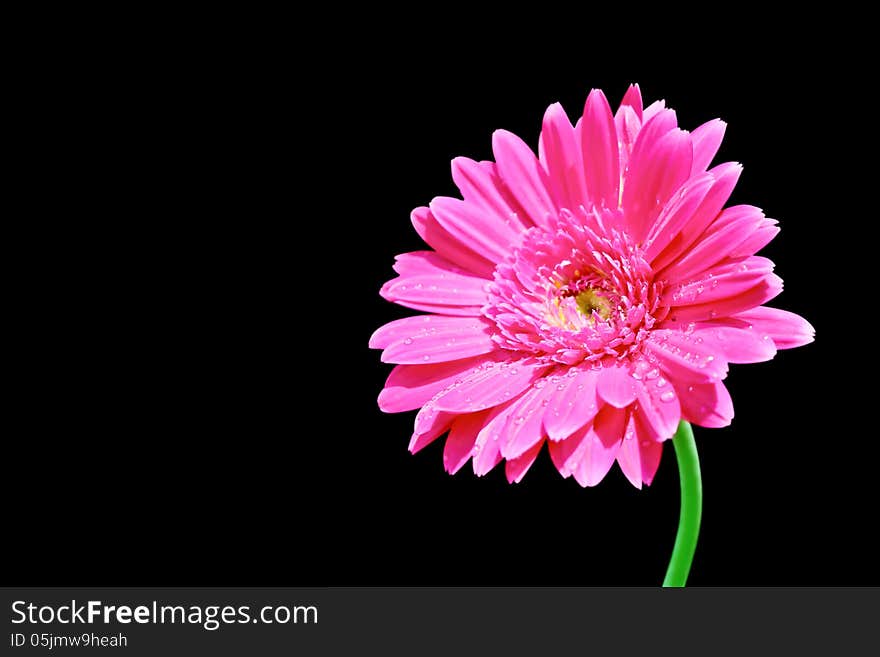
588 298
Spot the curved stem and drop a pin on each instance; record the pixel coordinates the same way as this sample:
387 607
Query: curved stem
691 506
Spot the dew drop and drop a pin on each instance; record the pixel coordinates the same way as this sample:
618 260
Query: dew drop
519 420
667 396
407 341
426 358
661 382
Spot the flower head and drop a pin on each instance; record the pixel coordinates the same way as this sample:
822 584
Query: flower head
588 298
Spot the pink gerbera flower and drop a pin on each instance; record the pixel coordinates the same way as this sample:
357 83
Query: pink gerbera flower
589 298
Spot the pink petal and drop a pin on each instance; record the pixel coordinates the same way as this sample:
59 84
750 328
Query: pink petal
684 359
599 145
429 263
417 325
491 386
732 227
757 240
785 329
443 290
487 447
736 344
573 403
524 426
764 290
430 424
617 386
474 227
708 405
726 176
628 126
639 456
658 411
655 172
676 213
655 124
411 386
563 159
629 457
462 436
523 176
480 184
656 108
719 282
707 139
430 230
516 468
633 98
589 455
450 339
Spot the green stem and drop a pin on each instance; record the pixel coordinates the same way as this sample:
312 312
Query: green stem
691 506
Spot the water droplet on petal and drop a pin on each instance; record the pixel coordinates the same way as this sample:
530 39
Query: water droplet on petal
407 341
667 396
426 357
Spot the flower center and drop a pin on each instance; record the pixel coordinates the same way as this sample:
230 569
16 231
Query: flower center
590 300
575 290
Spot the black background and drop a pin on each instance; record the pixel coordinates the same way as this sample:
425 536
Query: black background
197 402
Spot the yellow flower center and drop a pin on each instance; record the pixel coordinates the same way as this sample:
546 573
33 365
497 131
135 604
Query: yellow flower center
590 300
